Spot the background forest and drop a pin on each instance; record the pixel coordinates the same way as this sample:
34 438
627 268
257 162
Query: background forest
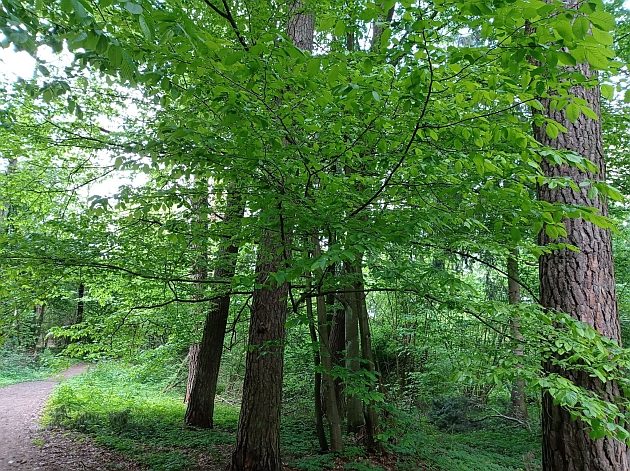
353 235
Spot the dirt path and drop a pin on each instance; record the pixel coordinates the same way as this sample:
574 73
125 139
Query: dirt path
24 446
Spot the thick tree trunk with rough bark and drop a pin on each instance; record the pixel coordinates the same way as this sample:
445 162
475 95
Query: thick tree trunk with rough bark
200 408
517 394
581 284
258 437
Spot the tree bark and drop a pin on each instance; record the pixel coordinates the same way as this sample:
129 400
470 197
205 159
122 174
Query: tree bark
193 354
331 397
258 437
40 310
354 407
337 344
80 303
326 355
517 394
317 380
581 284
371 419
200 408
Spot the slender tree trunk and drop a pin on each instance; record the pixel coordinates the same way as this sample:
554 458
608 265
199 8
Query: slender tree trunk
377 29
371 419
583 285
517 394
317 389
80 303
326 355
200 409
330 390
40 309
354 407
5 206
337 345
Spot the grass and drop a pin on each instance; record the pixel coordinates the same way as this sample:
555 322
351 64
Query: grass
18 367
134 417
495 447
138 420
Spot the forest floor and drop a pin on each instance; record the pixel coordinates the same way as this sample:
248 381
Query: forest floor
26 446
119 417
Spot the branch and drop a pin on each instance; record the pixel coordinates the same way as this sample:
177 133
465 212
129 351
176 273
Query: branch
423 112
227 14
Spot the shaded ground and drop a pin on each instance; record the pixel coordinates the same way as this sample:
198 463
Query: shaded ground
24 446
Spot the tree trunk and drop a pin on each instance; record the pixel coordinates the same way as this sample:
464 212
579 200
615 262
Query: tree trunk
581 284
371 419
193 354
332 406
337 345
258 437
80 303
326 355
317 389
200 409
40 310
517 394
354 407
377 29
5 207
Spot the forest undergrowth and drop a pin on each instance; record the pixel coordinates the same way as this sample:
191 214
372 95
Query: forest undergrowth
123 409
18 366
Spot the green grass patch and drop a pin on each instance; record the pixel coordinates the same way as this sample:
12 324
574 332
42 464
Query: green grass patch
20 366
499 448
137 419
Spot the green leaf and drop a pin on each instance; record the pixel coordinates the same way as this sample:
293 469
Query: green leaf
566 59
564 30
608 91
587 110
573 112
144 27
551 129
580 27
340 28
133 8
603 20
602 37
596 58
376 96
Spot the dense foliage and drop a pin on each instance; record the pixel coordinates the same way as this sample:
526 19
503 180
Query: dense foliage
372 165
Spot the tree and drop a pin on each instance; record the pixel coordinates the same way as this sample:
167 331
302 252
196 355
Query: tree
258 436
200 406
517 394
579 282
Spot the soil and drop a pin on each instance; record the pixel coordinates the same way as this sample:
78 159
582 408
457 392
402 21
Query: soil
24 445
